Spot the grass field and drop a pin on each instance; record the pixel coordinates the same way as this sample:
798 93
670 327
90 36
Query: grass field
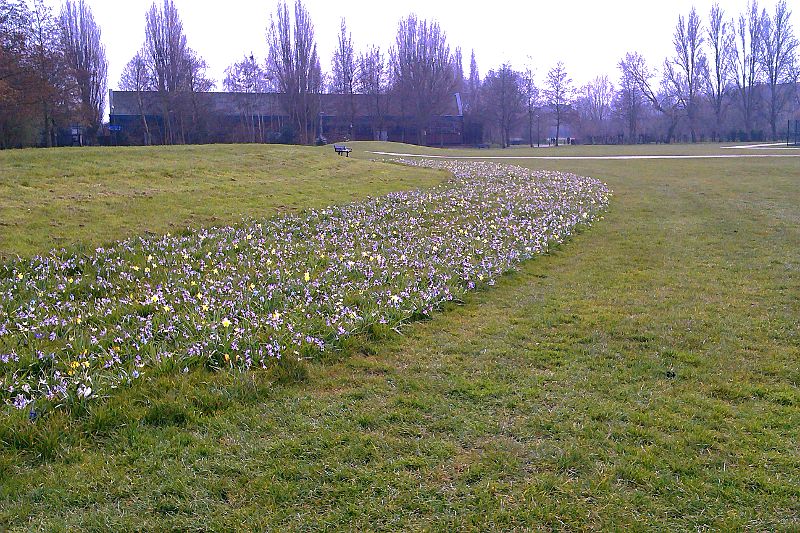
92 196
643 376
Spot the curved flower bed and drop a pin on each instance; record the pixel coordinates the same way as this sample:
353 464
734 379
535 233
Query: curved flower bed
74 326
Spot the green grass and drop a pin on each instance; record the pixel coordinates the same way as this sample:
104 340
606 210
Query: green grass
698 149
644 376
54 198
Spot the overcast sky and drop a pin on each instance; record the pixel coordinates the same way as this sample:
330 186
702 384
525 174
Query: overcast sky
589 36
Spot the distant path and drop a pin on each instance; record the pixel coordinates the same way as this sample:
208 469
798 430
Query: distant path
768 145
588 157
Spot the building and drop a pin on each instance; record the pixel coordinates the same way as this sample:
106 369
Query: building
152 118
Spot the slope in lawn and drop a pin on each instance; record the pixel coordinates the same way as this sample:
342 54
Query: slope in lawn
93 196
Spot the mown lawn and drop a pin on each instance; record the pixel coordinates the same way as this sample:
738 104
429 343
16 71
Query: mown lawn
55 198
643 376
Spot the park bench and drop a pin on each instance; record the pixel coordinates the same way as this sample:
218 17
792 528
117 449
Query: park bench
342 149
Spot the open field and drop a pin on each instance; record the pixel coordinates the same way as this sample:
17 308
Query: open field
643 376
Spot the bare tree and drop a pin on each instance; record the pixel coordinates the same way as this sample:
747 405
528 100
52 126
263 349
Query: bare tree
197 72
778 60
138 78
458 69
198 83
293 63
558 93
635 72
165 45
176 72
686 70
371 80
719 36
628 103
472 100
422 69
86 58
745 59
530 94
344 71
599 93
246 76
344 63
504 100
597 96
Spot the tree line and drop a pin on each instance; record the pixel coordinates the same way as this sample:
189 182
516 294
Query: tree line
419 72
53 72
730 77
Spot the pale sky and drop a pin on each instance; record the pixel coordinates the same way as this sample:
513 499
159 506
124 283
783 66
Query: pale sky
590 37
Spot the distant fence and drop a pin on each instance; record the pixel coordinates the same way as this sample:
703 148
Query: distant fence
793 133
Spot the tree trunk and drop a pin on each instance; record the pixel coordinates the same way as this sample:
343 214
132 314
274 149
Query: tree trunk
673 123
558 126
144 118
773 116
530 127
48 130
